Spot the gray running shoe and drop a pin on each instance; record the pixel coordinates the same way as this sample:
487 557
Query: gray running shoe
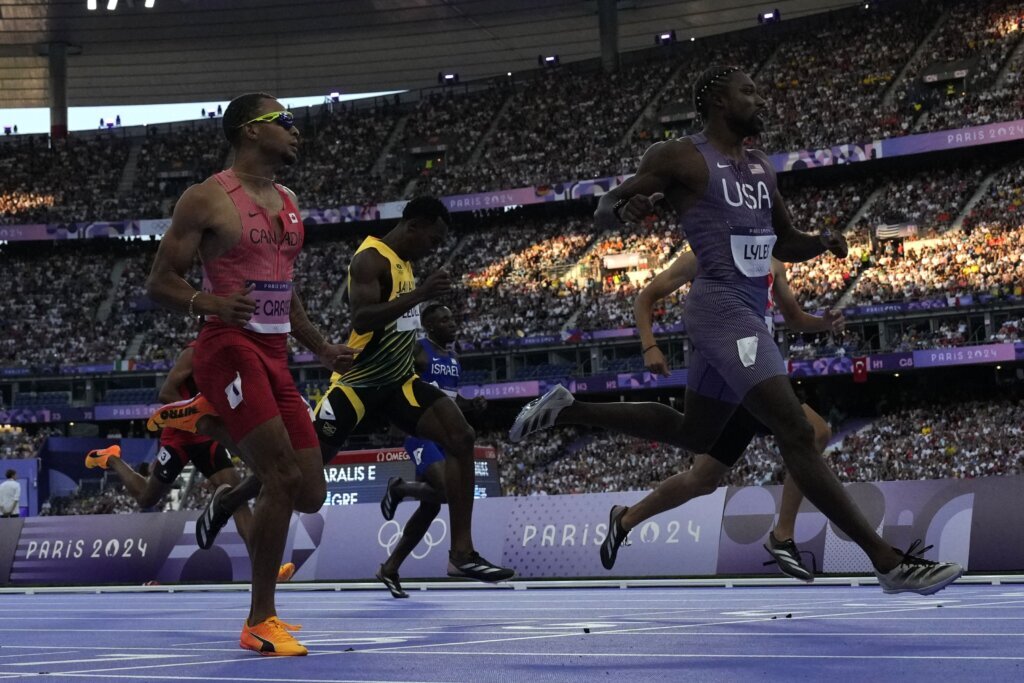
540 413
914 574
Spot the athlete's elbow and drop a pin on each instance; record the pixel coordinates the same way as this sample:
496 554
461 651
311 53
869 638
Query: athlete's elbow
361 323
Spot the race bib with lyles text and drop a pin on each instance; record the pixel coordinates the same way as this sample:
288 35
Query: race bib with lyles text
752 250
273 307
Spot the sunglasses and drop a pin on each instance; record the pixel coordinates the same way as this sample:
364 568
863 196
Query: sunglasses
285 119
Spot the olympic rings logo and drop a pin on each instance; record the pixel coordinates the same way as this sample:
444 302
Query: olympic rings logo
395 531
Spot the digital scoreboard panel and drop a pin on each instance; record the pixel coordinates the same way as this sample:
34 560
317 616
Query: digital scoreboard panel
362 476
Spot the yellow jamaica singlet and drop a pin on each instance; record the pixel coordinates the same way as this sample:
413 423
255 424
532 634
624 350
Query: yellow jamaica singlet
386 355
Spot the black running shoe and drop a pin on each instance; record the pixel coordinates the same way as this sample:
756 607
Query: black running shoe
389 503
392 583
787 556
212 520
914 574
616 536
476 567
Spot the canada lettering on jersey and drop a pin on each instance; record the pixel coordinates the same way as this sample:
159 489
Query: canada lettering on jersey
261 236
753 197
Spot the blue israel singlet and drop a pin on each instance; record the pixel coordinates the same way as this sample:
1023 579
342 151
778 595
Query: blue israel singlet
443 369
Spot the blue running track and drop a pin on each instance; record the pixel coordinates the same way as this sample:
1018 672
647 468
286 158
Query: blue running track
798 633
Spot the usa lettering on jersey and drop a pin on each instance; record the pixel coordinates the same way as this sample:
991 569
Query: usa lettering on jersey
745 194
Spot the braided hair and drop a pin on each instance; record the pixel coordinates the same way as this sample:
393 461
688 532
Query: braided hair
712 77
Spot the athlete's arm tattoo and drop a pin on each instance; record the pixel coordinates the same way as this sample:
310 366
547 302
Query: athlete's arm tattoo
302 329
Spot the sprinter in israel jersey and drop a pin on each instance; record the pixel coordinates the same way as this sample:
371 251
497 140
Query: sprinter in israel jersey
438 365
385 302
729 207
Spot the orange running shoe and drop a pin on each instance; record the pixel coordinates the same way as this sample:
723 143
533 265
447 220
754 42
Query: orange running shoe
271 638
285 573
98 457
183 415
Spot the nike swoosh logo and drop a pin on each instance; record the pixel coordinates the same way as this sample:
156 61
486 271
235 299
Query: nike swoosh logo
265 645
717 164
253 213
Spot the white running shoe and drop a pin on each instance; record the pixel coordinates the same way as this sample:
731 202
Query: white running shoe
914 574
540 413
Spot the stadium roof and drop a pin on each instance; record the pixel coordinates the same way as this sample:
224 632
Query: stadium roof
195 50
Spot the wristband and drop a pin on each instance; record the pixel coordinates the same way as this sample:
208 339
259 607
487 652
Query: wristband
618 207
191 313
652 346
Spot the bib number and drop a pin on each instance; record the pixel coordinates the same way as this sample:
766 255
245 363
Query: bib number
410 320
273 307
752 254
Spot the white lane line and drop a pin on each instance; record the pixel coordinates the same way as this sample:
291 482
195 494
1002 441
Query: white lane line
678 655
641 630
111 657
242 658
246 679
35 654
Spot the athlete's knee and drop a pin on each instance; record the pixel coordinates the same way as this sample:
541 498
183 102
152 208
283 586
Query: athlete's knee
705 476
705 485
796 435
284 478
430 509
460 440
312 495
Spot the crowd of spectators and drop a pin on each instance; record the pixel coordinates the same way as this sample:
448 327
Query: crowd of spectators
974 109
1003 201
171 161
986 30
987 261
1009 331
456 122
966 440
17 443
71 180
53 295
511 281
826 87
930 200
337 151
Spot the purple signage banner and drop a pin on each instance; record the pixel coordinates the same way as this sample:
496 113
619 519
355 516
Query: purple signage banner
10 532
901 146
891 362
559 536
503 390
818 367
124 412
965 519
977 522
45 414
362 527
965 355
